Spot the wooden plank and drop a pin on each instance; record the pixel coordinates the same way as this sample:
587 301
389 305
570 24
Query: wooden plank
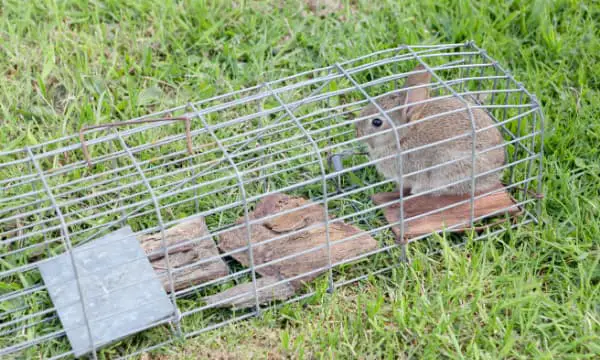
242 296
492 205
184 255
292 244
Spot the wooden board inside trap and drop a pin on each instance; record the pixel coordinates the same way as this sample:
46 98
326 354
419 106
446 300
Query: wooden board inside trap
310 220
498 203
190 244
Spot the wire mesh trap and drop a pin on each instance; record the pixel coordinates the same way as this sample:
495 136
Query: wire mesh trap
257 198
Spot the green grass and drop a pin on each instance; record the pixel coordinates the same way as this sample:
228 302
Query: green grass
532 293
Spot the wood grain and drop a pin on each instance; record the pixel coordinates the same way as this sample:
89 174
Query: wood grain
312 220
184 255
489 206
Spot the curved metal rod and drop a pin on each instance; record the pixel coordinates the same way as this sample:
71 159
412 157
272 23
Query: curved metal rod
69 245
244 195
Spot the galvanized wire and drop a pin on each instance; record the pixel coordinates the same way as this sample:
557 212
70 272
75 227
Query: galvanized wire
276 137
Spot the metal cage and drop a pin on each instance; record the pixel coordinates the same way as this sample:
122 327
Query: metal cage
293 135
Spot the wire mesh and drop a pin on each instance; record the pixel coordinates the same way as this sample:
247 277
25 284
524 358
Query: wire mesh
276 137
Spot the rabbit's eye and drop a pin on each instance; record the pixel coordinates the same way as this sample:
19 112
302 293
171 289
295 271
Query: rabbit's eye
377 122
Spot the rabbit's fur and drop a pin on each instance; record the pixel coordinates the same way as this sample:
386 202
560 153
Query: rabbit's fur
430 131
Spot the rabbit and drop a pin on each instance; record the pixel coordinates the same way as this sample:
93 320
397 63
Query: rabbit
430 131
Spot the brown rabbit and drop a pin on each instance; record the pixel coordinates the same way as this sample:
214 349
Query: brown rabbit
428 132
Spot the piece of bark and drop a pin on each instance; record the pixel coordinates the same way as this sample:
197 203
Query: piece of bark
186 254
233 297
289 245
491 205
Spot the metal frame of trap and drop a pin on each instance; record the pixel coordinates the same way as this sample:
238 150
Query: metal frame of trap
41 193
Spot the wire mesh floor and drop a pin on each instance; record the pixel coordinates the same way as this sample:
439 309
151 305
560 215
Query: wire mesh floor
294 135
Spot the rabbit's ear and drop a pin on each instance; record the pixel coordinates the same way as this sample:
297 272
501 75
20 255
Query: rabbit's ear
421 78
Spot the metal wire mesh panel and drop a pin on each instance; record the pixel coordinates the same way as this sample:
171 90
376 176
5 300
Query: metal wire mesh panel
236 152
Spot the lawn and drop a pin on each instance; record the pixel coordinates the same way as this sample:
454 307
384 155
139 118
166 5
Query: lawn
532 293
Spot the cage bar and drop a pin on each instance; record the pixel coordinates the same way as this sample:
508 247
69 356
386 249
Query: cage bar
294 136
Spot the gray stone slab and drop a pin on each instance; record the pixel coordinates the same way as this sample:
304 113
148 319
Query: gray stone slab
121 291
